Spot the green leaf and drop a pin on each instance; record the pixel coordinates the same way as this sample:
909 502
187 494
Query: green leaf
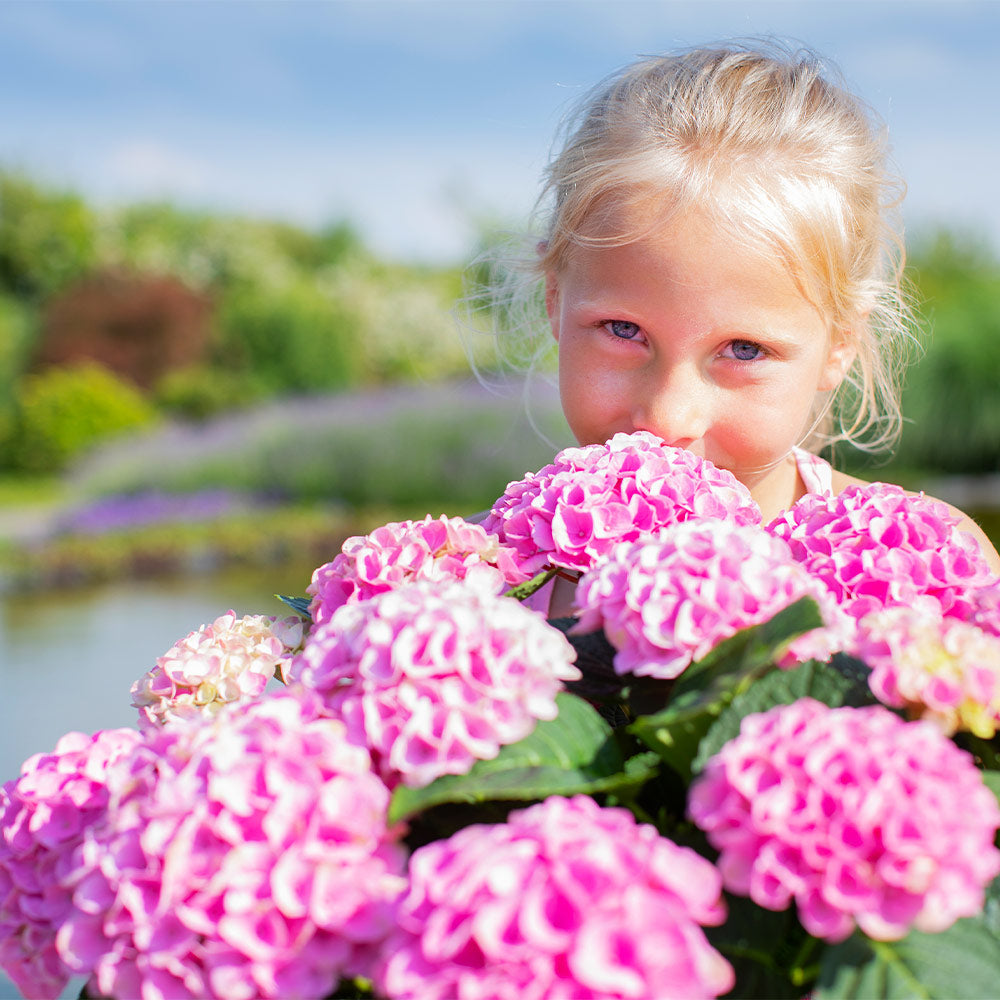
833 684
961 963
300 605
991 779
707 687
767 950
986 752
524 590
752 648
991 908
574 753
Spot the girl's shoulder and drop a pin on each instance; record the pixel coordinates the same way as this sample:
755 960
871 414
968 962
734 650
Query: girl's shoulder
840 482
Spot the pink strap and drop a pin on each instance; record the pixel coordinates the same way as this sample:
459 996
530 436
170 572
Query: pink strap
816 473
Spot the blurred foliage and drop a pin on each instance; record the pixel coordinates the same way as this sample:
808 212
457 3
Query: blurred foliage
309 312
293 311
60 413
444 445
952 396
47 239
261 538
197 393
295 339
212 251
16 336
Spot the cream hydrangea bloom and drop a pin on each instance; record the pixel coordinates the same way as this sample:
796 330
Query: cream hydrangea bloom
232 659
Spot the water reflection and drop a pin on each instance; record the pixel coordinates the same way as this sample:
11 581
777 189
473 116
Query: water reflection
68 659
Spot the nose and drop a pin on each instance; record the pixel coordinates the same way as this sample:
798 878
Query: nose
673 403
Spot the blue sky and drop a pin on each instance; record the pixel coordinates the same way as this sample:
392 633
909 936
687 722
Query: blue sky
413 119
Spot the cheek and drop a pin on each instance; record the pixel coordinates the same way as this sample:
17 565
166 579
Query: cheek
595 398
764 425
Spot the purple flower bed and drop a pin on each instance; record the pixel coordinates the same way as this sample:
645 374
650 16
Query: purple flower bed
140 510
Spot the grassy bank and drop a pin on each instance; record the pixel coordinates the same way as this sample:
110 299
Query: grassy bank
286 482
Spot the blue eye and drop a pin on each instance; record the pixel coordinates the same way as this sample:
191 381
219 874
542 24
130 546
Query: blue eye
623 329
746 350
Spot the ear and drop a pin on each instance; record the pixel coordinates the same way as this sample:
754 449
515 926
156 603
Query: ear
843 351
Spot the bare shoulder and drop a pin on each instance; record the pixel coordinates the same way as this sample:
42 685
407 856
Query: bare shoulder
841 481
965 523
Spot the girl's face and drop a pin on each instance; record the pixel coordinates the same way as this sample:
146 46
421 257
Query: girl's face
712 349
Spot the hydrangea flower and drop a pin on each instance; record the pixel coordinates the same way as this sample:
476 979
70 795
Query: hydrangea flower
985 611
938 668
859 816
431 677
570 513
245 855
43 817
230 660
665 602
432 549
877 546
566 899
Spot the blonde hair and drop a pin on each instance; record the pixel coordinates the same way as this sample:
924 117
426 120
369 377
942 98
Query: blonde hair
784 158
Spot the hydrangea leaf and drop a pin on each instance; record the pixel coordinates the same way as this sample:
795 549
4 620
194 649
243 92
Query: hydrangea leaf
704 690
574 753
961 963
841 682
300 605
766 948
986 752
992 781
745 653
526 589
991 908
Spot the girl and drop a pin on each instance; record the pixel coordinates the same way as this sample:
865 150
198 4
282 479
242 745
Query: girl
720 268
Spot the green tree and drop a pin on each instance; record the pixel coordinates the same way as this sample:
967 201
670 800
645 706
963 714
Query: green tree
293 339
47 239
951 399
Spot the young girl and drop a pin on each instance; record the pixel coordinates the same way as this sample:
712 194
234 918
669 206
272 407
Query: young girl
720 269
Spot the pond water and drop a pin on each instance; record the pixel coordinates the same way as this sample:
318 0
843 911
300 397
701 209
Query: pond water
68 658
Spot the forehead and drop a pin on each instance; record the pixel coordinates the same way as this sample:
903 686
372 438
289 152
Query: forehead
688 268
684 242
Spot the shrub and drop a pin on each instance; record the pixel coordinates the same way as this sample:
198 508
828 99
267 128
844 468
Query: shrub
62 412
47 239
950 404
951 400
409 447
201 392
16 334
294 338
406 330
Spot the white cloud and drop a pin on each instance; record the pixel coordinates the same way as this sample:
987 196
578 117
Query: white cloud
148 168
408 199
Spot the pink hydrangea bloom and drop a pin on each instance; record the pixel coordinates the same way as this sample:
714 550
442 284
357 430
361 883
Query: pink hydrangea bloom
985 607
43 817
432 549
859 816
432 677
877 546
230 660
245 855
938 668
665 602
571 513
566 899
